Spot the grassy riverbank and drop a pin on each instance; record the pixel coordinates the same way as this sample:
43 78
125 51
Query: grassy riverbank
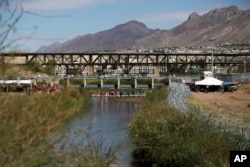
27 120
165 136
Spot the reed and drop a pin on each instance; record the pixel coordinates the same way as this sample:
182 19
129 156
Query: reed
165 136
26 122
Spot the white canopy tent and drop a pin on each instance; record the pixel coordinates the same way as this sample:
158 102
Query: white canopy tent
27 81
209 81
7 82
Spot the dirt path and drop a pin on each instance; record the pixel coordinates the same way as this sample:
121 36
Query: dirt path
238 101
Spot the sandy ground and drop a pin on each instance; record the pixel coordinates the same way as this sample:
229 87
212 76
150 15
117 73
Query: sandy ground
238 101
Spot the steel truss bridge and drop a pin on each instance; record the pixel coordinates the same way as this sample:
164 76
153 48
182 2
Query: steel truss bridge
127 63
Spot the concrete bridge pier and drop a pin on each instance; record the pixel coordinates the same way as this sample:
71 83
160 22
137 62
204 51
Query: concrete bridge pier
35 82
90 69
84 82
152 83
101 85
226 70
157 71
169 80
118 83
68 82
135 83
51 81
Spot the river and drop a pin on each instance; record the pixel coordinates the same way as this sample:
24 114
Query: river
107 121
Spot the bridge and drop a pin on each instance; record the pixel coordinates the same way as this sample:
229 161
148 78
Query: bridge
129 63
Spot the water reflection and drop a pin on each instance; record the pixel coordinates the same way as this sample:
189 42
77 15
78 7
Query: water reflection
106 119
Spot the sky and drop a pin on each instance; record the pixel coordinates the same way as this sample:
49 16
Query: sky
48 21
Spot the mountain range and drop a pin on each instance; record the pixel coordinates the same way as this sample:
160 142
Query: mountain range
225 25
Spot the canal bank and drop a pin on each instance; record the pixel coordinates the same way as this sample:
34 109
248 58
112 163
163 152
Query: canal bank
185 137
27 121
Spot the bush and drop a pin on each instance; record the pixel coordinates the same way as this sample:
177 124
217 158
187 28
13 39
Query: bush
165 136
26 122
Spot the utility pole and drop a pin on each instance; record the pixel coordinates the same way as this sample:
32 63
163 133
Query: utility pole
244 74
245 62
212 61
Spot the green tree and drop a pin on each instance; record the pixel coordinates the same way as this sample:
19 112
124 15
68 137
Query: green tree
35 66
50 67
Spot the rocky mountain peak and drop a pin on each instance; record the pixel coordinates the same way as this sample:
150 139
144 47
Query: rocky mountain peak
193 16
133 23
133 27
223 13
226 24
210 19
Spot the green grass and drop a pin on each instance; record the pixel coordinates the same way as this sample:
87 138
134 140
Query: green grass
27 121
166 136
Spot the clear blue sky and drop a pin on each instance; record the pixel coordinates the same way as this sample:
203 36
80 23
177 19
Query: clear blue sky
61 20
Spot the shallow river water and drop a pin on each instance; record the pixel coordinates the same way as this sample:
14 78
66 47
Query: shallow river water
107 120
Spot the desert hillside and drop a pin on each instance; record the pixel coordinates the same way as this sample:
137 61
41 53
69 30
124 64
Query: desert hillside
226 25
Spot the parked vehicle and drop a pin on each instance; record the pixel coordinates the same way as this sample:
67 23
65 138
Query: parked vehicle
230 87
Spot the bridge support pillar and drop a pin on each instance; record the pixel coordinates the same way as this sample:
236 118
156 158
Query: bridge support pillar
35 82
90 70
101 85
84 82
118 83
68 82
51 81
226 70
152 83
157 71
135 83
169 80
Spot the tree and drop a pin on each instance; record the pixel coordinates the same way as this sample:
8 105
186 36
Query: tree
35 66
9 17
50 67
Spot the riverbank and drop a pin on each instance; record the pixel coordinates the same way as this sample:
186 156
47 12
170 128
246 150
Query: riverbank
184 135
27 121
229 108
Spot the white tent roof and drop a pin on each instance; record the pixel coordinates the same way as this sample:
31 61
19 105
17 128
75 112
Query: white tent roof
209 81
27 81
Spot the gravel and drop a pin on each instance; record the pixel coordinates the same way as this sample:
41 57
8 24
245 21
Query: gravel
177 96
178 92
